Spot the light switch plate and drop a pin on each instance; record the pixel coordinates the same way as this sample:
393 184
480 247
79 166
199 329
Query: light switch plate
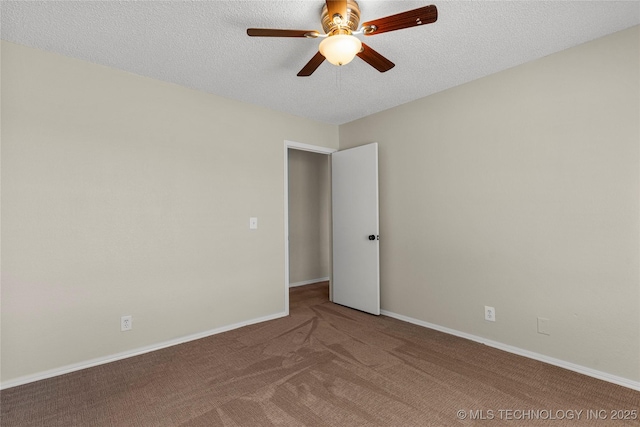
253 223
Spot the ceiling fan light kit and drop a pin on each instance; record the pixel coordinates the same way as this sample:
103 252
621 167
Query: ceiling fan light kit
340 20
340 49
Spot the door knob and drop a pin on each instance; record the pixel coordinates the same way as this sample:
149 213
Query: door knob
372 237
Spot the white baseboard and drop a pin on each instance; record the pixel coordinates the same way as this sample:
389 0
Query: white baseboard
635 385
136 352
625 382
308 282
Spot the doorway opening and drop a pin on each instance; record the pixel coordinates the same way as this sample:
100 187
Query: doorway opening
310 260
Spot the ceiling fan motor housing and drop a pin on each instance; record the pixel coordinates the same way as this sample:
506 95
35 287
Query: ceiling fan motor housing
349 23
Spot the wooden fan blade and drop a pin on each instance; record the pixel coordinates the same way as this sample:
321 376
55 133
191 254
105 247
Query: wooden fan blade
374 59
270 32
410 18
312 65
337 6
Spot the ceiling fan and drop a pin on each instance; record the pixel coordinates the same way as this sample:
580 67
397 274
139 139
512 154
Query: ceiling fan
340 19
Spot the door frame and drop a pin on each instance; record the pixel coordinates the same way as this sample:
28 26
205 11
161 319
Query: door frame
303 147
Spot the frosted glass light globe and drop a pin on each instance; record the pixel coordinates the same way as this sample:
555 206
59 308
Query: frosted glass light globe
340 49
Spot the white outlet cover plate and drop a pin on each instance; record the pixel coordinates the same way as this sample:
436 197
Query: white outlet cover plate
126 323
489 313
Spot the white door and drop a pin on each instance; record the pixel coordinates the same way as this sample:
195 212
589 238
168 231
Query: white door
354 188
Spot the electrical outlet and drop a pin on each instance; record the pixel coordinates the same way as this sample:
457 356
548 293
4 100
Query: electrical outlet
126 323
489 313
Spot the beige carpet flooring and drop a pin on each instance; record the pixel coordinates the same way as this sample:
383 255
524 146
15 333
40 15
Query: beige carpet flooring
324 365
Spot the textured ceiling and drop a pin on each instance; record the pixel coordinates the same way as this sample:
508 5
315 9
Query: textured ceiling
203 45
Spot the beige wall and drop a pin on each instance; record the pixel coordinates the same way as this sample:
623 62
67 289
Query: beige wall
125 195
309 216
520 191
